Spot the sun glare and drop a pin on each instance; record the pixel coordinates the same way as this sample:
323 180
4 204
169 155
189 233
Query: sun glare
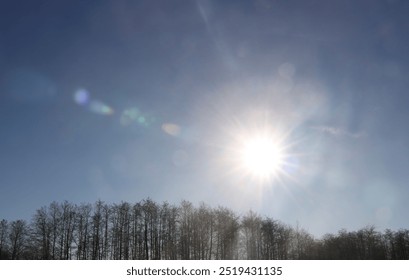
258 152
262 157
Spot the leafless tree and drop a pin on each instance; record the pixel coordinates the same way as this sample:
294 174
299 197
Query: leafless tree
18 235
83 232
227 232
41 233
147 230
3 239
251 226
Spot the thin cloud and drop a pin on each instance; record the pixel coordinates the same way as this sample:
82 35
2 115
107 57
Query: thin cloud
338 132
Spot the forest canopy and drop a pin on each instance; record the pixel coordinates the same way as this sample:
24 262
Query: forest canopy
162 231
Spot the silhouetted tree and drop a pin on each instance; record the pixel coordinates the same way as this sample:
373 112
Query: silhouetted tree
185 229
170 233
3 240
203 225
147 230
18 234
82 234
275 239
401 241
41 233
227 233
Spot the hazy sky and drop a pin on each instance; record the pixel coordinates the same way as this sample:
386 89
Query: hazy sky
124 100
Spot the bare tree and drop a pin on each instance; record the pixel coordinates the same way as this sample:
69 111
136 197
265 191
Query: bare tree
147 230
169 232
17 235
120 237
227 228
83 232
370 244
41 233
251 228
3 239
68 215
401 241
185 228
203 225
302 245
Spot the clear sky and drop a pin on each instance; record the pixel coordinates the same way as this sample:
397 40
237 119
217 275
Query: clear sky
124 100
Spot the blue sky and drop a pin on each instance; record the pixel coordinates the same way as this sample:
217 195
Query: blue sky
124 100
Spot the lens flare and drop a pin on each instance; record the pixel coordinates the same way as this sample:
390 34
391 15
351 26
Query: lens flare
101 108
81 96
171 129
135 116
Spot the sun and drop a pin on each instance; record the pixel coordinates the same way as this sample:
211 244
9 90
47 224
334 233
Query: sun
256 150
262 157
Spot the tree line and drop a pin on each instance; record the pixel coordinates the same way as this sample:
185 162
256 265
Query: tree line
148 230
